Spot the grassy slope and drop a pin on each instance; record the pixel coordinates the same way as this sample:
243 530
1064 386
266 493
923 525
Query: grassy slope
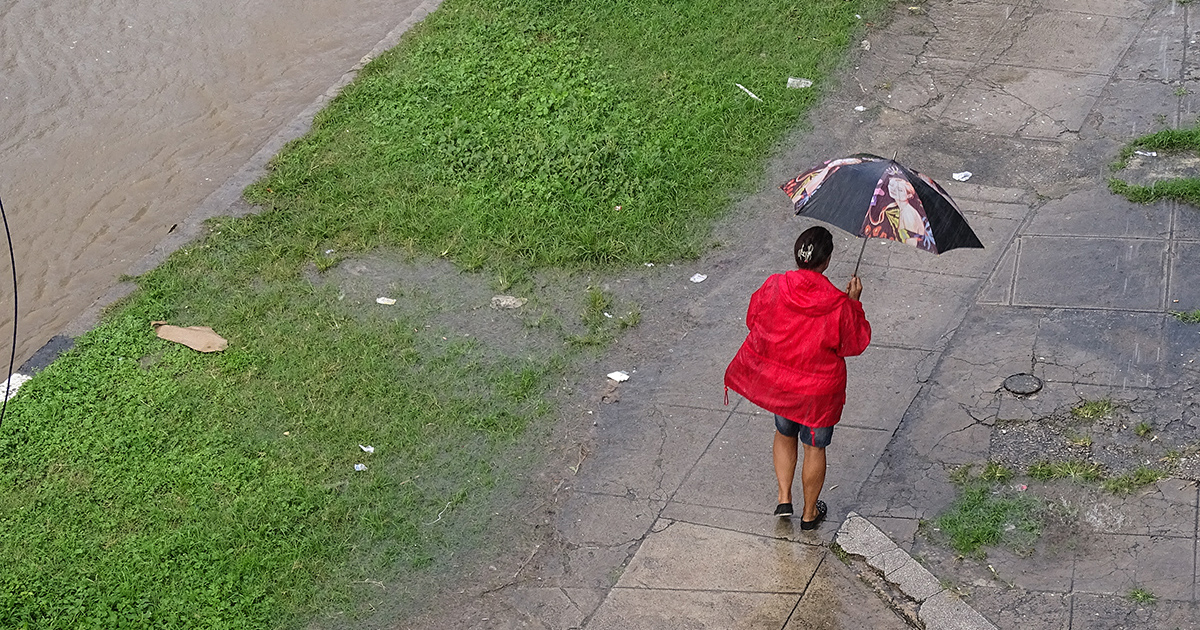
143 485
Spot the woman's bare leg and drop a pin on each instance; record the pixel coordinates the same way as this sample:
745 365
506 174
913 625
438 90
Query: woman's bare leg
812 478
784 454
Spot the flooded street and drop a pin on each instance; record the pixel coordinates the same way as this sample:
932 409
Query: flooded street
120 116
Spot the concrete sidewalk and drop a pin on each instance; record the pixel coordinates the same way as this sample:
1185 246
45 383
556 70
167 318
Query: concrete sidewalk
668 525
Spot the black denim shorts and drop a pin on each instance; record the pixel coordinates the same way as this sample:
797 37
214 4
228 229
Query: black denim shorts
819 437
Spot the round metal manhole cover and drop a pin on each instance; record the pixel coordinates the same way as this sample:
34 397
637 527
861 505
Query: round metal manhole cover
1023 384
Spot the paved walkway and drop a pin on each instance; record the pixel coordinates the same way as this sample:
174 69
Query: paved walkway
667 524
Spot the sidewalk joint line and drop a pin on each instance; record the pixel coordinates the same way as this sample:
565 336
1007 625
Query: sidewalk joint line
702 590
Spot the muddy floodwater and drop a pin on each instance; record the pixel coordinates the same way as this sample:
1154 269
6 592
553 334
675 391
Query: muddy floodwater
120 116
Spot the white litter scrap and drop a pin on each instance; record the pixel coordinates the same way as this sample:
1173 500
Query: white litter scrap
1147 153
860 108
649 264
360 467
866 44
963 176
618 376
13 383
386 301
508 301
799 83
752 95
366 448
698 278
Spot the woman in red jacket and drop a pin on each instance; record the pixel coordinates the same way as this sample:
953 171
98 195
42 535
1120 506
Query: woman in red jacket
793 364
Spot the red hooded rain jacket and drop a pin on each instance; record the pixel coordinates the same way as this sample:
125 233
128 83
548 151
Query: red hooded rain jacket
793 361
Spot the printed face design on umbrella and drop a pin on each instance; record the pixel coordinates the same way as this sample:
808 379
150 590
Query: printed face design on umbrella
896 213
801 187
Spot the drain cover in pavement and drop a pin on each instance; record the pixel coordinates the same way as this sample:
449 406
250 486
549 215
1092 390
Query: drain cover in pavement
1023 384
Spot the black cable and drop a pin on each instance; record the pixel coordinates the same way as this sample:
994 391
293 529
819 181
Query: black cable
12 359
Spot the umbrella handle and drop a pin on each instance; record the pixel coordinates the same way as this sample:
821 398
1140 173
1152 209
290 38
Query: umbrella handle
860 255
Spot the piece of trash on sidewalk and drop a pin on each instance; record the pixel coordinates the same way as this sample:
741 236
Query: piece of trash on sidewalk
698 277
198 338
649 264
508 301
752 95
360 467
386 301
1147 153
608 315
799 83
367 449
860 108
963 176
866 44
618 376
1021 487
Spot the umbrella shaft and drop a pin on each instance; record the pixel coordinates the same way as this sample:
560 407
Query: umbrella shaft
860 255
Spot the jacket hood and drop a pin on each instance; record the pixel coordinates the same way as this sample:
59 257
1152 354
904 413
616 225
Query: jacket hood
810 293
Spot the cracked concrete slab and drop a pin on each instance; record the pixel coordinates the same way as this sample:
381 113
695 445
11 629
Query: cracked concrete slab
824 607
692 610
1123 563
556 608
1184 284
1130 108
1020 608
920 308
1158 53
760 522
646 452
885 381
1098 212
1109 273
1119 611
684 556
1084 42
1110 348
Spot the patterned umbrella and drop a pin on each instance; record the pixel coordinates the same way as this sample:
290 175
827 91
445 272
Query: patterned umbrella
874 197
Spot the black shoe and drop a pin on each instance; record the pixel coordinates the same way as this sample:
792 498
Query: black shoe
821 512
783 510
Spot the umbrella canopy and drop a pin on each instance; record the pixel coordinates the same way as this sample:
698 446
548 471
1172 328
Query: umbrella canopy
875 197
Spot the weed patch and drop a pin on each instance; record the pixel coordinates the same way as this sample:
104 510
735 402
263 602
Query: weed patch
1167 141
1131 481
1187 317
1142 596
1093 409
986 515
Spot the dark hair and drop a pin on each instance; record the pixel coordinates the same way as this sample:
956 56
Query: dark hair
817 245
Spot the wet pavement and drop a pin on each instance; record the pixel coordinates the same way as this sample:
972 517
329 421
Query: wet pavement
668 525
120 117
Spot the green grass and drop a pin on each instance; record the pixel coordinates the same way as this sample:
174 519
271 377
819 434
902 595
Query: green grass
1093 409
143 485
1188 317
1074 470
1127 483
1142 596
1185 189
983 515
513 131
1143 429
146 485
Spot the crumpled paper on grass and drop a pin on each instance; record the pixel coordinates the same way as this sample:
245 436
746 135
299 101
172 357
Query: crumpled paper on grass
199 338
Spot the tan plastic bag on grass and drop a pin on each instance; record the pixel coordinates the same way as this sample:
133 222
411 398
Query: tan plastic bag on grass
200 338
